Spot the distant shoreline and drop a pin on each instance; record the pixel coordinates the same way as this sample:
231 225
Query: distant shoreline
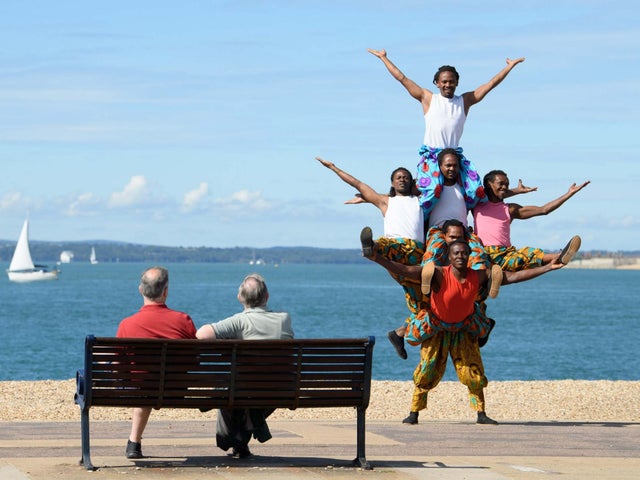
606 263
116 252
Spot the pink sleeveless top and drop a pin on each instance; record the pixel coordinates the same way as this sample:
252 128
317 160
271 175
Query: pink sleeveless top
492 223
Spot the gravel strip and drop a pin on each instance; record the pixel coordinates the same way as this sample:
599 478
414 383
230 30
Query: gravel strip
558 400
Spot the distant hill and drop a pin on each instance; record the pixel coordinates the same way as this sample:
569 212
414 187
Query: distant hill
108 251
43 252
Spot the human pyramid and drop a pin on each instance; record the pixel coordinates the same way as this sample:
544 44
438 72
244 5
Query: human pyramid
448 273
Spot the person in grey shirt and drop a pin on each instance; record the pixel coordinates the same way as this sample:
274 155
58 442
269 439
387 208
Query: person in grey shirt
235 427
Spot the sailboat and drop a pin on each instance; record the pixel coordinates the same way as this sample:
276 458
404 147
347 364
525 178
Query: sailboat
92 257
66 256
22 268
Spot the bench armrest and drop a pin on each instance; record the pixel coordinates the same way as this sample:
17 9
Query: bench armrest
79 397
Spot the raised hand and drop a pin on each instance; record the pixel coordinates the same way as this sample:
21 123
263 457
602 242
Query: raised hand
513 63
524 189
576 188
326 163
377 53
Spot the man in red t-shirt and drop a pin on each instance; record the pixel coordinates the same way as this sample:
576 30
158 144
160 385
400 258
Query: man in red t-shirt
153 320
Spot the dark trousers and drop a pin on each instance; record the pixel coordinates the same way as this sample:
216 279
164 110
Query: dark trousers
236 426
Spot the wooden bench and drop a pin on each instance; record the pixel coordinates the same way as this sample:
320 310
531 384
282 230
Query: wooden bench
163 373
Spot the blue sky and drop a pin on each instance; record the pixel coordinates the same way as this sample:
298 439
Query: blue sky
196 123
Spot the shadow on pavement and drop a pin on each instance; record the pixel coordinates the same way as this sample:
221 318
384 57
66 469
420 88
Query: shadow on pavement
263 462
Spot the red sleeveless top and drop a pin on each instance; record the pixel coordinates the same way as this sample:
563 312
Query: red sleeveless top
455 300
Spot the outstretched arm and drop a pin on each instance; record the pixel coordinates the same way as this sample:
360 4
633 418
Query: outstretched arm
531 273
471 98
416 91
412 272
521 188
368 194
523 213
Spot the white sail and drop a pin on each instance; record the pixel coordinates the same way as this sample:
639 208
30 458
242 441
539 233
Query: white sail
92 257
66 256
22 256
21 269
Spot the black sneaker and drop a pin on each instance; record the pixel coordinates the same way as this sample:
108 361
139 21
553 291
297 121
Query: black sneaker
134 450
366 239
242 452
398 343
412 419
482 341
484 420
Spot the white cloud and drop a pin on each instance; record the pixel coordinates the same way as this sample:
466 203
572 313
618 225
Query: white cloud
244 198
624 222
83 205
194 197
134 193
10 200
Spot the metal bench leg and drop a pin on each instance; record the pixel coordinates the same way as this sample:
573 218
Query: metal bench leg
86 449
361 458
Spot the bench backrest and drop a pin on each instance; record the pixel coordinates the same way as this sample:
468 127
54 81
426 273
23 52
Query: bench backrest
228 373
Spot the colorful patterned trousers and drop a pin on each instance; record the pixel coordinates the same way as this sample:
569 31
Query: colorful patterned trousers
465 353
407 252
426 324
514 260
430 182
436 250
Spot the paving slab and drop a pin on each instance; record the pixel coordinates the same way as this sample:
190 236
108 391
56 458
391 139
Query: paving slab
325 449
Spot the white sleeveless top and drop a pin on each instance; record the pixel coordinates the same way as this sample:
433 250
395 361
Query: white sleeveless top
450 206
444 121
404 218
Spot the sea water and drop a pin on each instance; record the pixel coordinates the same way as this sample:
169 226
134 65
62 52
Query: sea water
567 324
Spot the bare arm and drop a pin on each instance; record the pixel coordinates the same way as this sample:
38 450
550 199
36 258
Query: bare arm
357 198
471 98
531 273
416 91
206 332
368 194
521 188
413 272
523 213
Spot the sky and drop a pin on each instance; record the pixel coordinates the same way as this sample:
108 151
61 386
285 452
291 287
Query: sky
197 123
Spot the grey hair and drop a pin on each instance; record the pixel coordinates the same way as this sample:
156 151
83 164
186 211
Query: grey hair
253 291
153 286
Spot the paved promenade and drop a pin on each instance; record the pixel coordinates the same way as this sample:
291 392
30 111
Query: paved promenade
324 449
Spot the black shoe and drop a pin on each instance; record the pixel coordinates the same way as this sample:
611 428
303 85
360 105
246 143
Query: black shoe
482 341
484 420
366 239
412 419
242 452
398 343
570 249
134 450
